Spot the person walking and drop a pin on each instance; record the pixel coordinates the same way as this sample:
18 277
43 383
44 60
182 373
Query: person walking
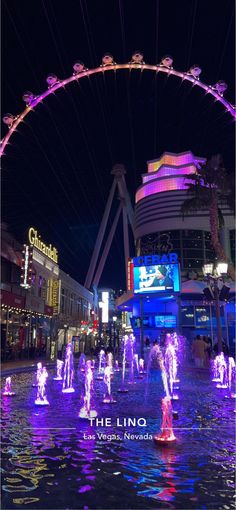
198 351
208 350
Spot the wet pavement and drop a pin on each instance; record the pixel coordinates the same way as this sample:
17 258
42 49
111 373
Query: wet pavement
49 461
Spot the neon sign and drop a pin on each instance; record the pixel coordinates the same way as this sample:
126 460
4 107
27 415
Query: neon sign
152 260
35 240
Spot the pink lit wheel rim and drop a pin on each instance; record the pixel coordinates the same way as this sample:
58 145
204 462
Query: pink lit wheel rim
56 84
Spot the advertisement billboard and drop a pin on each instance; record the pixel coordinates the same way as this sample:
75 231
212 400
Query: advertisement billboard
165 321
158 278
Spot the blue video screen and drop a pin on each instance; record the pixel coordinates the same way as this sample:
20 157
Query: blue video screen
165 321
159 278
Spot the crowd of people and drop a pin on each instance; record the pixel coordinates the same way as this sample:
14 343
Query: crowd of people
203 351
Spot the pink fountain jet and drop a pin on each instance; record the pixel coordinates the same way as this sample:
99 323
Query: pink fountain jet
117 369
41 399
108 398
86 411
67 386
231 376
7 392
60 364
223 375
141 367
171 368
38 373
101 365
123 389
167 435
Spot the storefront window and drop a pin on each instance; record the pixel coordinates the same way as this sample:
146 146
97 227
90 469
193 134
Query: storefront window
187 315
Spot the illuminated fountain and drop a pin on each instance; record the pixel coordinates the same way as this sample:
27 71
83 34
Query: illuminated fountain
60 364
41 399
7 392
108 398
67 386
82 361
110 361
102 361
86 411
141 366
231 376
171 367
223 372
123 389
38 373
167 435
129 347
215 367
136 363
156 360
117 369
101 365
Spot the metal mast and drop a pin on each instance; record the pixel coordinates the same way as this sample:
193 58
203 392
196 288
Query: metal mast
118 171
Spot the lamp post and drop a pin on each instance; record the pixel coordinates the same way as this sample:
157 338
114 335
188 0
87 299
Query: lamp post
65 333
214 278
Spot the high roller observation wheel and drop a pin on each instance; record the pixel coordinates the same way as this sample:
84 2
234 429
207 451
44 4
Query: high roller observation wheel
108 64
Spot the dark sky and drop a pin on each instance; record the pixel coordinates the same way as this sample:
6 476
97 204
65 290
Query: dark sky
56 172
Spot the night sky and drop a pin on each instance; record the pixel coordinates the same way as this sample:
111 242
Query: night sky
56 172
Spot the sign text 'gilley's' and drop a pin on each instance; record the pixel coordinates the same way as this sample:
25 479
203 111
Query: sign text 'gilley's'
153 260
35 240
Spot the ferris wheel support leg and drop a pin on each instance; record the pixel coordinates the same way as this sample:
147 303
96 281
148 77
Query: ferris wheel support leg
126 242
124 193
107 247
100 237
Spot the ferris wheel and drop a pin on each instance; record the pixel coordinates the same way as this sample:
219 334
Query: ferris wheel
108 64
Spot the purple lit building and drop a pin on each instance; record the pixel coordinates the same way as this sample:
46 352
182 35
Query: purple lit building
160 229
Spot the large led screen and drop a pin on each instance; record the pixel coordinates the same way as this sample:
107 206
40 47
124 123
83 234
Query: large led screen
165 321
161 278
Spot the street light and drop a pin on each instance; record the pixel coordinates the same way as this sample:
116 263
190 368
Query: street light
214 278
65 330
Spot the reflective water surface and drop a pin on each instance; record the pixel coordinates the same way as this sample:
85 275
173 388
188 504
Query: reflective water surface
47 463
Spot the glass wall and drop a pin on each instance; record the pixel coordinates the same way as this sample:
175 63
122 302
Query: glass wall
192 246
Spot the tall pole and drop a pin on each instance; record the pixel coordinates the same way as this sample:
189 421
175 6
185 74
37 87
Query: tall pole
118 171
141 329
125 195
126 243
29 336
226 326
106 248
100 236
212 332
218 322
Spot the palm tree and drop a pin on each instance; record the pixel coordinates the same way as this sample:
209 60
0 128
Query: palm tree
212 186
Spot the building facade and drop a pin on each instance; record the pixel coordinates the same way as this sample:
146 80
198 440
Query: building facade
161 229
159 225
40 303
75 318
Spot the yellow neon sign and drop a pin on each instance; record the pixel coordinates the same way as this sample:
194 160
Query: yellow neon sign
35 240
